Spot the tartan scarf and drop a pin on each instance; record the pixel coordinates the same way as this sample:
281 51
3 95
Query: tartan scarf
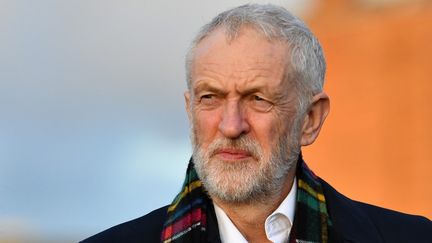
187 214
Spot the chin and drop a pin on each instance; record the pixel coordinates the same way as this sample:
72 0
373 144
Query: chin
235 182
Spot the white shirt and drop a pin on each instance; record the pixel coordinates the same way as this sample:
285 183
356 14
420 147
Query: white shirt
277 225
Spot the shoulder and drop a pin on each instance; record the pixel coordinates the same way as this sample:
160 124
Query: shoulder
147 228
356 220
396 226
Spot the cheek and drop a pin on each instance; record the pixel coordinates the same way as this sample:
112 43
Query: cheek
205 125
265 129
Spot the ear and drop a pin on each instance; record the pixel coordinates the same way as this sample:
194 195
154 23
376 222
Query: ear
314 118
187 104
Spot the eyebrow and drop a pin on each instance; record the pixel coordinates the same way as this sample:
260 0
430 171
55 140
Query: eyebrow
273 94
202 85
251 90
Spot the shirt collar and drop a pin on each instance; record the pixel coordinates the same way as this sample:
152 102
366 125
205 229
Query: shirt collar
277 225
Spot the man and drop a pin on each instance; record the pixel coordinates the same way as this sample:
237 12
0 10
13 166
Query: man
255 95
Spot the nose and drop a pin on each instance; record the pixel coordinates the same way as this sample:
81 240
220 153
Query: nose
233 123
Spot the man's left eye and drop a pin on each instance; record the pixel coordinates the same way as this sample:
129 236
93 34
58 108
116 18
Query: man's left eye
260 104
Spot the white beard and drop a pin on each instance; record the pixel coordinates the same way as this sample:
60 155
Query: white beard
251 180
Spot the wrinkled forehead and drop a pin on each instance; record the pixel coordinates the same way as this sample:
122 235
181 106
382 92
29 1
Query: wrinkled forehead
224 35
248 50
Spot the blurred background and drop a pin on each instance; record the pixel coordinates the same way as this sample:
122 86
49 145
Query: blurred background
92 125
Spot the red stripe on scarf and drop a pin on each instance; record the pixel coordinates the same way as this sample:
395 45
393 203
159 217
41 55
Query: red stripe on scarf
184 223
167 233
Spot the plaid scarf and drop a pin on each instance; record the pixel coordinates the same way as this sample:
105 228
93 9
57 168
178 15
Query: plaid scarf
187 214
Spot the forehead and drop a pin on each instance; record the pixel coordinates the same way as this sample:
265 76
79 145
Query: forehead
247 57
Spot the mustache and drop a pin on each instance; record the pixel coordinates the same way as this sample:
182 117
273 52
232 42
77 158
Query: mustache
242 143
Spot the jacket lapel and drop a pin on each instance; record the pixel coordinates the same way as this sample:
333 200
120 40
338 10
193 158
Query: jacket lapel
212 225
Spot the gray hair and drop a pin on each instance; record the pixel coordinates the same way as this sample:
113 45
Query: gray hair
306 67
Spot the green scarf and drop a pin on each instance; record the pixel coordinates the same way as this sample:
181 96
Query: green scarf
187 214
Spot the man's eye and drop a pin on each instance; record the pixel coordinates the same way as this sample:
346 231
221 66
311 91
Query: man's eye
207 96
209 100
260 104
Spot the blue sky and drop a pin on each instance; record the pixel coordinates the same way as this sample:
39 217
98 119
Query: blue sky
93 130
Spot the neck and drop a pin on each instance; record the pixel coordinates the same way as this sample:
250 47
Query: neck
249 218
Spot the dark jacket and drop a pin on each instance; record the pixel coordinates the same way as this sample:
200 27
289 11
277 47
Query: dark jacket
352 222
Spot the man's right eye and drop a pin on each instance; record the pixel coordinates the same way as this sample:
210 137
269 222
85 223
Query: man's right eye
209 100
207 96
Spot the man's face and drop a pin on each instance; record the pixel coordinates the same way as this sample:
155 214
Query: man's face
243 111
